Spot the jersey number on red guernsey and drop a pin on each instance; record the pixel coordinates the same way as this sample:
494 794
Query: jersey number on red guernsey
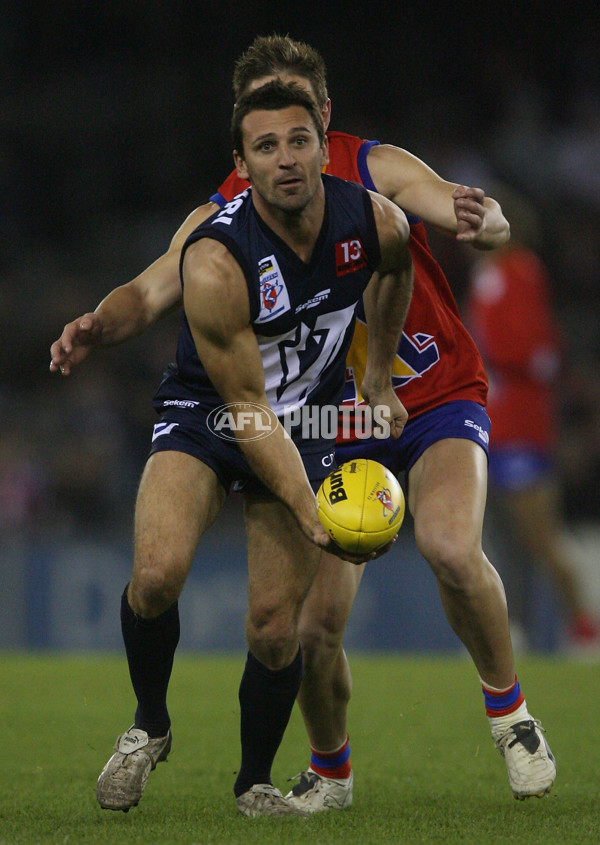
349 256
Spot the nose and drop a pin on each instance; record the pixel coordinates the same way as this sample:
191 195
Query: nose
286 157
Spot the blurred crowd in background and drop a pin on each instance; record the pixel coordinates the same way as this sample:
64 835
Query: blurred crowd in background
114 125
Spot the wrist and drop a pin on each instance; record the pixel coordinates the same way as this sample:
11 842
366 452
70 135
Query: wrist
378 378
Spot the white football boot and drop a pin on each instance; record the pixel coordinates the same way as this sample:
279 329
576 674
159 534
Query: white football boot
314 793
124 777
530 764
263 799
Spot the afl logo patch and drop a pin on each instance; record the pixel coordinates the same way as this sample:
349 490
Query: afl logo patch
274 298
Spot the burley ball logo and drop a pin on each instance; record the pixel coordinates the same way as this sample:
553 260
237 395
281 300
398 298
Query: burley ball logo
251 421
385 497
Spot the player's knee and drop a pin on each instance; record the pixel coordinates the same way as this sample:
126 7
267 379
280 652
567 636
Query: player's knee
454 558
272 636
152 592
321 635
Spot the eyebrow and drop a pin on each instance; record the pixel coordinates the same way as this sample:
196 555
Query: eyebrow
292 131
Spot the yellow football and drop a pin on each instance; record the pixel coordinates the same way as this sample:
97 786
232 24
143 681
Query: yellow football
361 505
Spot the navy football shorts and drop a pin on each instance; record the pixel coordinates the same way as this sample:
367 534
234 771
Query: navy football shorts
514 468
460 418
183 428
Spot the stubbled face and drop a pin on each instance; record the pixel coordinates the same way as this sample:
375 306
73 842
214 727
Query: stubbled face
301 81
282 158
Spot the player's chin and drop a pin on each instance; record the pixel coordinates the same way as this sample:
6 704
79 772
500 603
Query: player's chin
294 198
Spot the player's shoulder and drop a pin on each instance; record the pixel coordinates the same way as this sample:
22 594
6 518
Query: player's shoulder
392 223
225 231
344 191
214 269
348 156
343 142
232 215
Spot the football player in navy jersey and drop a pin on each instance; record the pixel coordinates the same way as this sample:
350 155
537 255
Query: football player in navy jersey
284 235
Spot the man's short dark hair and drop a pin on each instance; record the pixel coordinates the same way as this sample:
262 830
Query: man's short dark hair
270 55
273 96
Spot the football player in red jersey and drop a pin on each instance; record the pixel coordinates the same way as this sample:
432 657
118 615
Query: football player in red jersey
442 383
509 310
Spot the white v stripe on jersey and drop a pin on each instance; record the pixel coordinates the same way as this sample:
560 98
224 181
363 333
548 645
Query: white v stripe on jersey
162 428
301 372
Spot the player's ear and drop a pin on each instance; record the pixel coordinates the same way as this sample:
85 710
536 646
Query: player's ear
326 113
325 152
240 166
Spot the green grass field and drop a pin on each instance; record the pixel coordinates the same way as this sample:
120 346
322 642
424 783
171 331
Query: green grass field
425 768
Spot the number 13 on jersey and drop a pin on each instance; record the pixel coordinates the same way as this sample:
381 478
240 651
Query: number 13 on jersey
349 256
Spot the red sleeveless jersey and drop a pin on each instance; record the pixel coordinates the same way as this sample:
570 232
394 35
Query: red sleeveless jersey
437 360
510 313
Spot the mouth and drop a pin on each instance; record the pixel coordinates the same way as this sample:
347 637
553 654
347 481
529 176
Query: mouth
289 182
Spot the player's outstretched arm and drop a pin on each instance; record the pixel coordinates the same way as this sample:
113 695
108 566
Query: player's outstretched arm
464 212
129 309
386 300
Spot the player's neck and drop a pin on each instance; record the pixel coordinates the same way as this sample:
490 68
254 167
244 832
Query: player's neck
298 229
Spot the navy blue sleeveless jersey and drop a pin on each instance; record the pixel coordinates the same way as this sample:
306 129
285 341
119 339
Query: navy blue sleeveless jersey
302 313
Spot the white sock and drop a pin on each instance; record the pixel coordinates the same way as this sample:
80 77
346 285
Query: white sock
499 724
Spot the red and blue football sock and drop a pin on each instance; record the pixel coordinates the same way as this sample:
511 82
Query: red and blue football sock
504 707
332 764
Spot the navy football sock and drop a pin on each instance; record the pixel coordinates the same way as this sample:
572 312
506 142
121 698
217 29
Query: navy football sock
150 647
267 698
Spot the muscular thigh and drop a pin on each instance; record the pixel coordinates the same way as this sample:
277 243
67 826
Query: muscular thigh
447 490
282 562
178 498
